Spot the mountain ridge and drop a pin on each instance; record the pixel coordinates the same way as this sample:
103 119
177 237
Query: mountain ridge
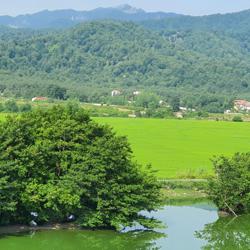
65 18
68 17
204 69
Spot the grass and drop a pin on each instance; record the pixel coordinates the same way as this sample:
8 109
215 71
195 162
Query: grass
184 190
181 148
3 116
183 195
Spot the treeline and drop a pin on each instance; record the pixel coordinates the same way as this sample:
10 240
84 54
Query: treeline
233 22
11 106
30 90
55 182
90 60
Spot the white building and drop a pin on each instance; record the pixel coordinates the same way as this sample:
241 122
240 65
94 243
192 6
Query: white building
136 92
241 105
183 108
115 92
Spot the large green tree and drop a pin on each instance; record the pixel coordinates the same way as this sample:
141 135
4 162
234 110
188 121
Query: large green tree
59 162
230 188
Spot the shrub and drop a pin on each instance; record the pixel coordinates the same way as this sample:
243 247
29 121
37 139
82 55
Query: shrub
230 189
11 106
1 107
237 119
58 162
25 107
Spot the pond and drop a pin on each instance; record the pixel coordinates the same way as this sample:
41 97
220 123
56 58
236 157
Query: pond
192 226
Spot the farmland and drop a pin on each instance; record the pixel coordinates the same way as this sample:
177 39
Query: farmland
181 148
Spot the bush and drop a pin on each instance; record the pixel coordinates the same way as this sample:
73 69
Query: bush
237 119
147 100
58 162
230 189
25 107
1 107
11 106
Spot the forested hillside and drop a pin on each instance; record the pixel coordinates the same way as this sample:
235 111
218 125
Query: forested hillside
204 66
234 25
234 22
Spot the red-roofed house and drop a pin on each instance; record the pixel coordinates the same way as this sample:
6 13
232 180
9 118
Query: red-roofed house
241 105
39 98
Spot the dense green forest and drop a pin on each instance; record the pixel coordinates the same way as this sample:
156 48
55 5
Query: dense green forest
61 163
202 62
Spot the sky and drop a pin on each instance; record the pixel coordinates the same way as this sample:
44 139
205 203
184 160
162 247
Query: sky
189 7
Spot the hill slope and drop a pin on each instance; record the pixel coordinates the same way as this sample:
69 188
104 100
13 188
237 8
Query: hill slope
204 68
235 25
234 22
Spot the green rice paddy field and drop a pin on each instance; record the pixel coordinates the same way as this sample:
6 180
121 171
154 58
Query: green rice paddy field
181 148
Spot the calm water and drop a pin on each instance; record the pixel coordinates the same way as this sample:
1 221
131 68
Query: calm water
188 227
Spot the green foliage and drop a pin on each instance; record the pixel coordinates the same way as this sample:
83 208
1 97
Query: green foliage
217 23
197 185
237 119
91 59
56 92
163 112
227 233
11 106
58 162
26 107
230 189
117 100
147 100
202 114
175 103
1 107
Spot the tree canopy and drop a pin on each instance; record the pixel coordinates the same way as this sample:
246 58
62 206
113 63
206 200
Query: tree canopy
205 68
58 162
230 189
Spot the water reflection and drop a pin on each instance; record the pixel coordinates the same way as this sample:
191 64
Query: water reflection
194 226
227 234
82 240
183 222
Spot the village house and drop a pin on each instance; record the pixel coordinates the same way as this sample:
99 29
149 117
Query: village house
185 109
179 115
39 98
115 92
241 105
161 102
136 92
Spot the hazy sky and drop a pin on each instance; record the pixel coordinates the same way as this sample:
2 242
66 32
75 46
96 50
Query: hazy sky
192 7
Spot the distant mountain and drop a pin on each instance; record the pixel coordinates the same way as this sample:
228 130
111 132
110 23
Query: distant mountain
204 61
233 25
68 18
205 70
217 22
